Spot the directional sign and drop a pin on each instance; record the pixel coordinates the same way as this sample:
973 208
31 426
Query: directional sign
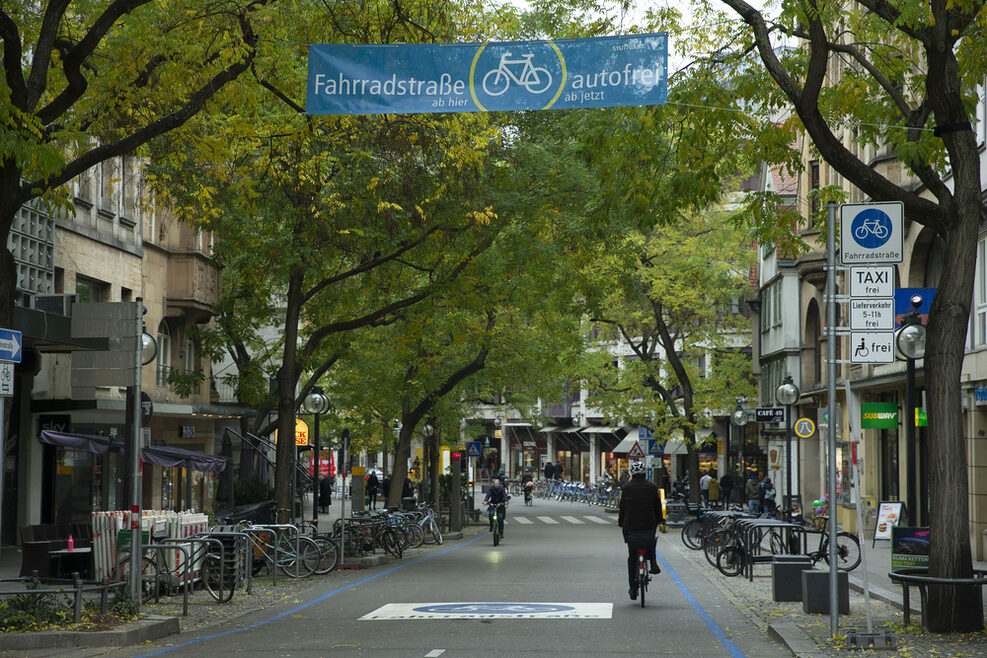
643 432
871 347
6 379
871 233
769 415
473 448
872 281
804 427
635 452
872 314
10 345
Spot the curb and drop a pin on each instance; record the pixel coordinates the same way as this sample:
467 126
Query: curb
796 640
152 627
882 594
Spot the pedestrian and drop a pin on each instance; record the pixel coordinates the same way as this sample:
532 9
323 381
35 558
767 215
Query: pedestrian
325 494
407 491
768 494
714 490
385 489
726 488
559 471
638 516
753 491
625 477
704 488
373 484
549 470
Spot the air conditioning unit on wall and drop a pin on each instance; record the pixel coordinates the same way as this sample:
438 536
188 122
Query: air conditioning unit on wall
55 304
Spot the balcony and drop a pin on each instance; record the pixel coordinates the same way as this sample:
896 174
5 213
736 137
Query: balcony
193 286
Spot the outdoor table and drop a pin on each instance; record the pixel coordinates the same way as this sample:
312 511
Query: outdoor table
78 561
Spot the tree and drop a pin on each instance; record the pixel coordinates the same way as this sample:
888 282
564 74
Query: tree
909 78
673 297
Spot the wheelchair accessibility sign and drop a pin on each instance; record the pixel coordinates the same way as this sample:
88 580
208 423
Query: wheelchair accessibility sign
871 233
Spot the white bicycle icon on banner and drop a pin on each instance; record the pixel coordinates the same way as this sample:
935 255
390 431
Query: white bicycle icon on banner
536 79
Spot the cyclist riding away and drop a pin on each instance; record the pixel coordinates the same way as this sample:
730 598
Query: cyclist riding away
639 516
497 495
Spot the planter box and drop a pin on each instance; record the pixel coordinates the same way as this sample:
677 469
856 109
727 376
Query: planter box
815 592
786 576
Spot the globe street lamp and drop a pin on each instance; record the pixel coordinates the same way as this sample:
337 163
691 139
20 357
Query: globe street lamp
427 431
911 344
738 419
316 403
788 394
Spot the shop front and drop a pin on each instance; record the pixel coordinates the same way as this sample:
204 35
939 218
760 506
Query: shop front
527 454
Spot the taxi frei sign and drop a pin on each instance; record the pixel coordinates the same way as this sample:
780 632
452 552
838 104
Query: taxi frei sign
301 433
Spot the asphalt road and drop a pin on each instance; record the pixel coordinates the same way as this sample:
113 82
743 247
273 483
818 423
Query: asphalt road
560 556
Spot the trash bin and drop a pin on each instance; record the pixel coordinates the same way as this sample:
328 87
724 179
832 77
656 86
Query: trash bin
408 504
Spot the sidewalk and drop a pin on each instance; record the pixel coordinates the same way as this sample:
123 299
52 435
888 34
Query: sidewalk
809 634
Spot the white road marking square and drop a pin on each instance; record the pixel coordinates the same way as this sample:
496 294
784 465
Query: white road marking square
548 519
522 519
597 519
572 519
491 610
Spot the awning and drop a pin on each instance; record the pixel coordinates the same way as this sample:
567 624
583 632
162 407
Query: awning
158 455
549 428
197 461
569 430
94 443
600 429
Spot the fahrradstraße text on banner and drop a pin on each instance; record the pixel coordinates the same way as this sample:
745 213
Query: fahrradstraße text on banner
614 71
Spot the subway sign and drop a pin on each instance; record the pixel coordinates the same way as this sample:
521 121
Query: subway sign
878 415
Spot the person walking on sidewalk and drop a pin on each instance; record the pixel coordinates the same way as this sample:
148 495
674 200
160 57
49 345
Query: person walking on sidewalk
704 487
325 494
373 484
638 517
726 488
753 491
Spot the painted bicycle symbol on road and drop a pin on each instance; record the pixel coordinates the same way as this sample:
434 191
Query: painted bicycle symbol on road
520 71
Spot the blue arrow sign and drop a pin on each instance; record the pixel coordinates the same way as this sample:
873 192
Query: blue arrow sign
472 448
10 345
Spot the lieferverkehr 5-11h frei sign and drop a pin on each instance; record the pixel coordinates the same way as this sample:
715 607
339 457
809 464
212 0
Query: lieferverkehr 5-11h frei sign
614 71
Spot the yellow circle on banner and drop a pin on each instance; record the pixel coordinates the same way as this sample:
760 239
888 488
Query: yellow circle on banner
476 57
804 427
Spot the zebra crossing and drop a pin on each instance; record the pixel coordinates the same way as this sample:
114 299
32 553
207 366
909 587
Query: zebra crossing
570 519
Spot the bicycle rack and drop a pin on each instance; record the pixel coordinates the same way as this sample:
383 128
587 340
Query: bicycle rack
163 546
247 557
200 540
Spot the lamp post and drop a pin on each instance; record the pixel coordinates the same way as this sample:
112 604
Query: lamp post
738 419
788 394
316 403
911 344
427 431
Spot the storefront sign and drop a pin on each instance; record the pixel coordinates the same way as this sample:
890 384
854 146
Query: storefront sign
879 415
980 394
921 417
910 548
888 517
301 433
529 444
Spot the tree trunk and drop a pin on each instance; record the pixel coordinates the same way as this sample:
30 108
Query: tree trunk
692 459
435 460
287 378
400 472
952 608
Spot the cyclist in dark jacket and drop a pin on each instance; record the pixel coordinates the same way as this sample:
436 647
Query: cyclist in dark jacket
497 494
638 517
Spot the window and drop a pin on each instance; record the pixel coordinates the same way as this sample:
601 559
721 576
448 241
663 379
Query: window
163 364
980 322
771 306
814 184
90 290
107 180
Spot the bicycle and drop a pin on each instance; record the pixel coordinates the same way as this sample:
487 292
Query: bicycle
283 547
495 522
847 548
643 574
531 76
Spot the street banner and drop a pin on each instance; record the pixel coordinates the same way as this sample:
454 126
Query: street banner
615 71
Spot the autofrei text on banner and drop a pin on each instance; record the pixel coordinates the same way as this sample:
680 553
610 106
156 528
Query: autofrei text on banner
613 71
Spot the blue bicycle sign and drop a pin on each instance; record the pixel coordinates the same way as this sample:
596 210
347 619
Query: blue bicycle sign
871 233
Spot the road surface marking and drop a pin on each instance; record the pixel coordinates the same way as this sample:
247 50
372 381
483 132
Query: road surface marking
572 519
522 519
435 653
548 519
596 519
490 610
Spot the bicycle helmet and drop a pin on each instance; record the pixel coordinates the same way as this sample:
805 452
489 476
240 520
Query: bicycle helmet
637 468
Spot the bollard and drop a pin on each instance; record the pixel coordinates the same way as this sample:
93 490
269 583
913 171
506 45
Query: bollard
104 596
455 505
78 596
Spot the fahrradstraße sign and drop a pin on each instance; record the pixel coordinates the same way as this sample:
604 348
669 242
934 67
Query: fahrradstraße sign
613 71
871 233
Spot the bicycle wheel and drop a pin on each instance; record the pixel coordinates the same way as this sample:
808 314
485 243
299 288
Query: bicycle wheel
219 579
847 552
415 535
330 554
775 543
150 579
299 562
715 543
390 543
642 578
432 532
730 561
692 534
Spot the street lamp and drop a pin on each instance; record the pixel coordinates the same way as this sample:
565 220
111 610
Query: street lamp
738 419
788 394
911 344
316 403
427 431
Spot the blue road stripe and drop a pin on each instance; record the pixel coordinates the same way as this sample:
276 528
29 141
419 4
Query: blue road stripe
312 602
727 643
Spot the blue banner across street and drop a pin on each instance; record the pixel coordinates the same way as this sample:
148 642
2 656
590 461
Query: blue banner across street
478 77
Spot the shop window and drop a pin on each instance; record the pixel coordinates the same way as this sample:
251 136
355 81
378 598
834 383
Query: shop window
163 364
